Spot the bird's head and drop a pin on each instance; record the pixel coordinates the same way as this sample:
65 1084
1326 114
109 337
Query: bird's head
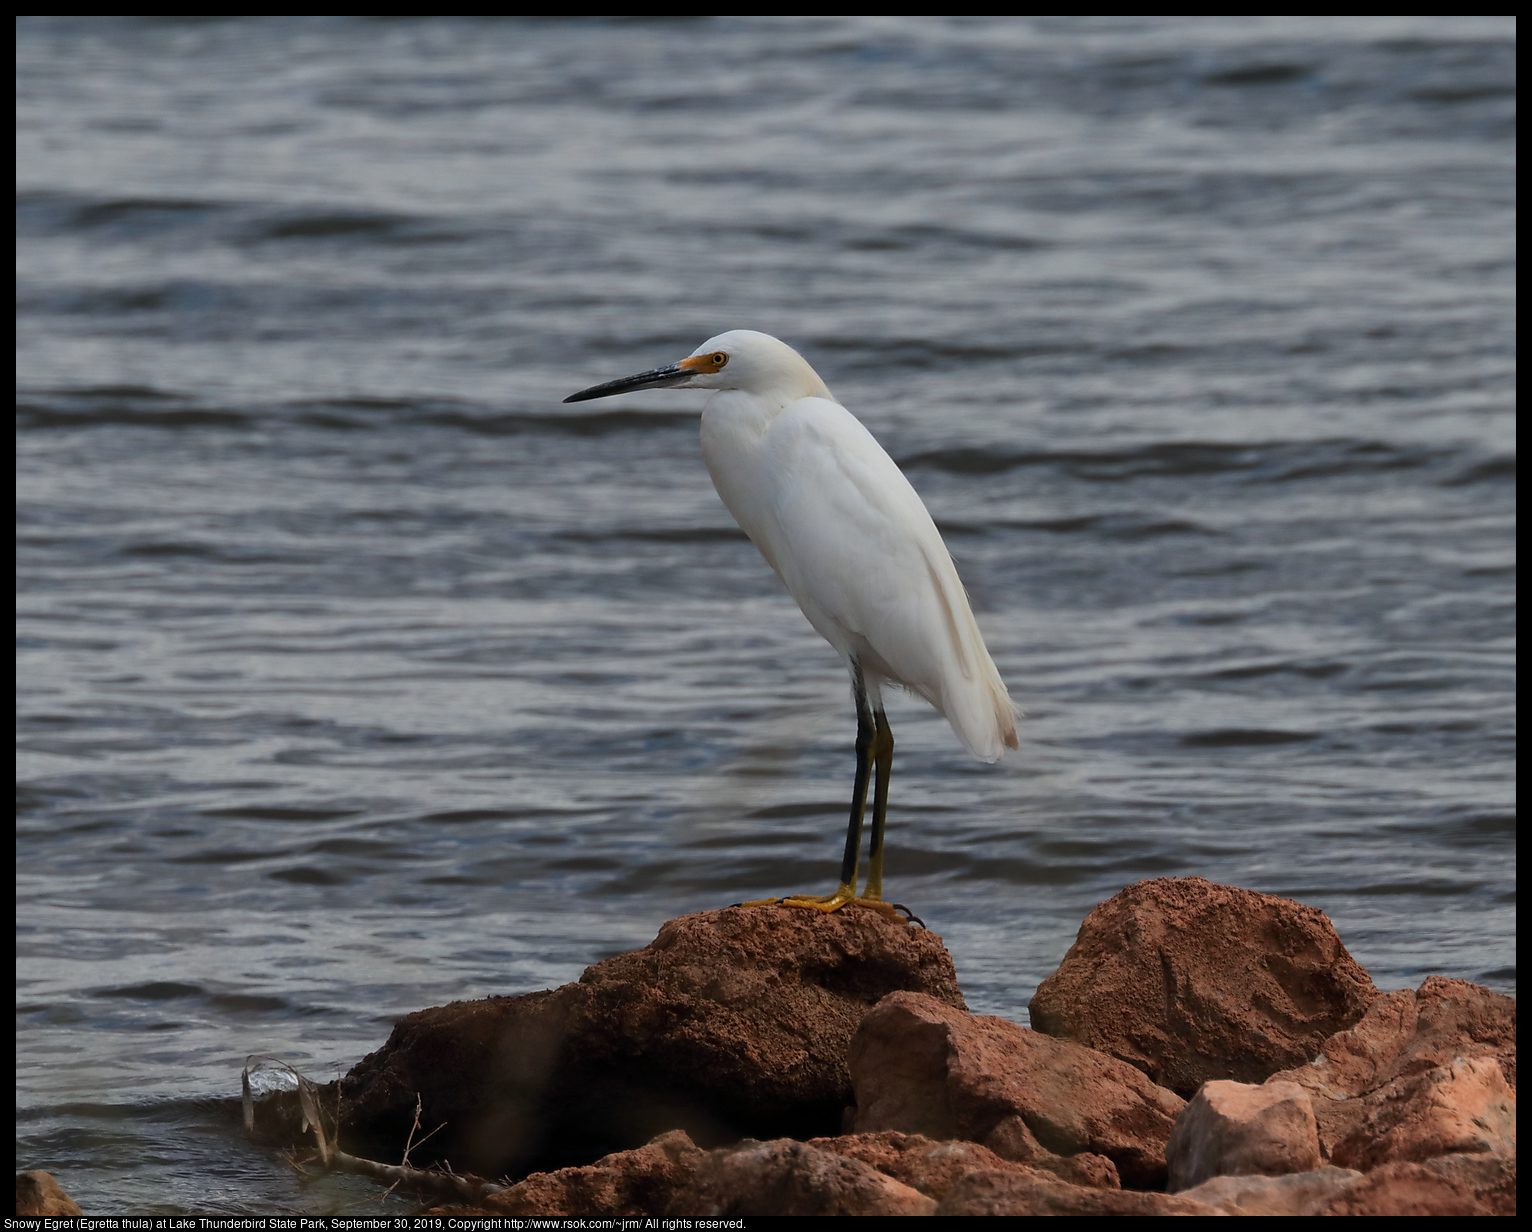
739 359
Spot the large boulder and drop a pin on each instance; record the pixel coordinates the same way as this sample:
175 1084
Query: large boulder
922 1066
1192 982
730 1024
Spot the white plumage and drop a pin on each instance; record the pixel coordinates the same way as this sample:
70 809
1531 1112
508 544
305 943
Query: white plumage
851 540
849 537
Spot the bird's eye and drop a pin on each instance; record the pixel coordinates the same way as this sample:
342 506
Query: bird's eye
720 358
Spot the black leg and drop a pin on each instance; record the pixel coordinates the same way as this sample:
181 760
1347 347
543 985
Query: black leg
883 753
865 732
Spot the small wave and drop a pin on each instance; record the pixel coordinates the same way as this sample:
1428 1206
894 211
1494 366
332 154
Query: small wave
1429 887
1126 527
1244 737
1190 458
1269 462
679 534
164 990
1255 671
308 877
147 407
604 423
246 1003
369 226
38 212
1259 75
352 414
881 354
141 406
272 813
1491 471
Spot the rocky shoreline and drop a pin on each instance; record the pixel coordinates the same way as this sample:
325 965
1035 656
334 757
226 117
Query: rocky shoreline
1201 1050
766 1060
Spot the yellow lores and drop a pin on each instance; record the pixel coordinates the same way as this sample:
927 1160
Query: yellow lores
853 543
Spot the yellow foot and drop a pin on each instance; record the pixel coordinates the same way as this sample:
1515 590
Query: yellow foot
834 902
828 903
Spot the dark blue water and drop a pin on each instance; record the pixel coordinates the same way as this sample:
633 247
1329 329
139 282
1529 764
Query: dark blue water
358 674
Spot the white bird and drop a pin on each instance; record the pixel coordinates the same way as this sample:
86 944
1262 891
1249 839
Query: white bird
854 545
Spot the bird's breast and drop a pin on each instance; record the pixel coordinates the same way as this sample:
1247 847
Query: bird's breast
734 427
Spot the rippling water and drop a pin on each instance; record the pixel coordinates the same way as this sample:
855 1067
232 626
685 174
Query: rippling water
358 674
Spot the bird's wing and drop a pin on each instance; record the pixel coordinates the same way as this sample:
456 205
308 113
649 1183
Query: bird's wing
858 550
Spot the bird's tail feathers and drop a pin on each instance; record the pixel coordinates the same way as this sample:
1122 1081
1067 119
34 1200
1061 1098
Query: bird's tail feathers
974 699
982 715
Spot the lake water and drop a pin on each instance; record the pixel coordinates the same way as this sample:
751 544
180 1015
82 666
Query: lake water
358 674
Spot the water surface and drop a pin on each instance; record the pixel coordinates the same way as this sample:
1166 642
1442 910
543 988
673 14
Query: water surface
358 674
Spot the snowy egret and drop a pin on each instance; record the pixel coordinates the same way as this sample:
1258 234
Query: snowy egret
854 545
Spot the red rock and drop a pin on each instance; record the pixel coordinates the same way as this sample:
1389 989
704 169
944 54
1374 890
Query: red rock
1408 1032
1297 1193
729 1023
1030 1192
638 1182
914 1160
1011 1140
1193 982
1490 1178
1465 1108
38 1194
1404 1189
1357 1059
793 1178
1457 1019
1403 1036
672 1177
1238 1129
922 1066
1452 1184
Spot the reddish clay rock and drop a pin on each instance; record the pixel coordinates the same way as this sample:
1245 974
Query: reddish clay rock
1011 1140
640 1182
923 1067
1193 982
729 1023
926 1166
1457 1019
1451 1185
1402 1037
482 1070
1237 1129
1407 1032
1404 1189
1464 1108
793 1178
37 1193
1297 1193
1029 1192
1361 1057
915 1160
1490 1178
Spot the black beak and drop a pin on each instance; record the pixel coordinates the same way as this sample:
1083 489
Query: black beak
655 378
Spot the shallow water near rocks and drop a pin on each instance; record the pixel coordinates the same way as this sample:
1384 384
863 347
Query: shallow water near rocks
357 674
